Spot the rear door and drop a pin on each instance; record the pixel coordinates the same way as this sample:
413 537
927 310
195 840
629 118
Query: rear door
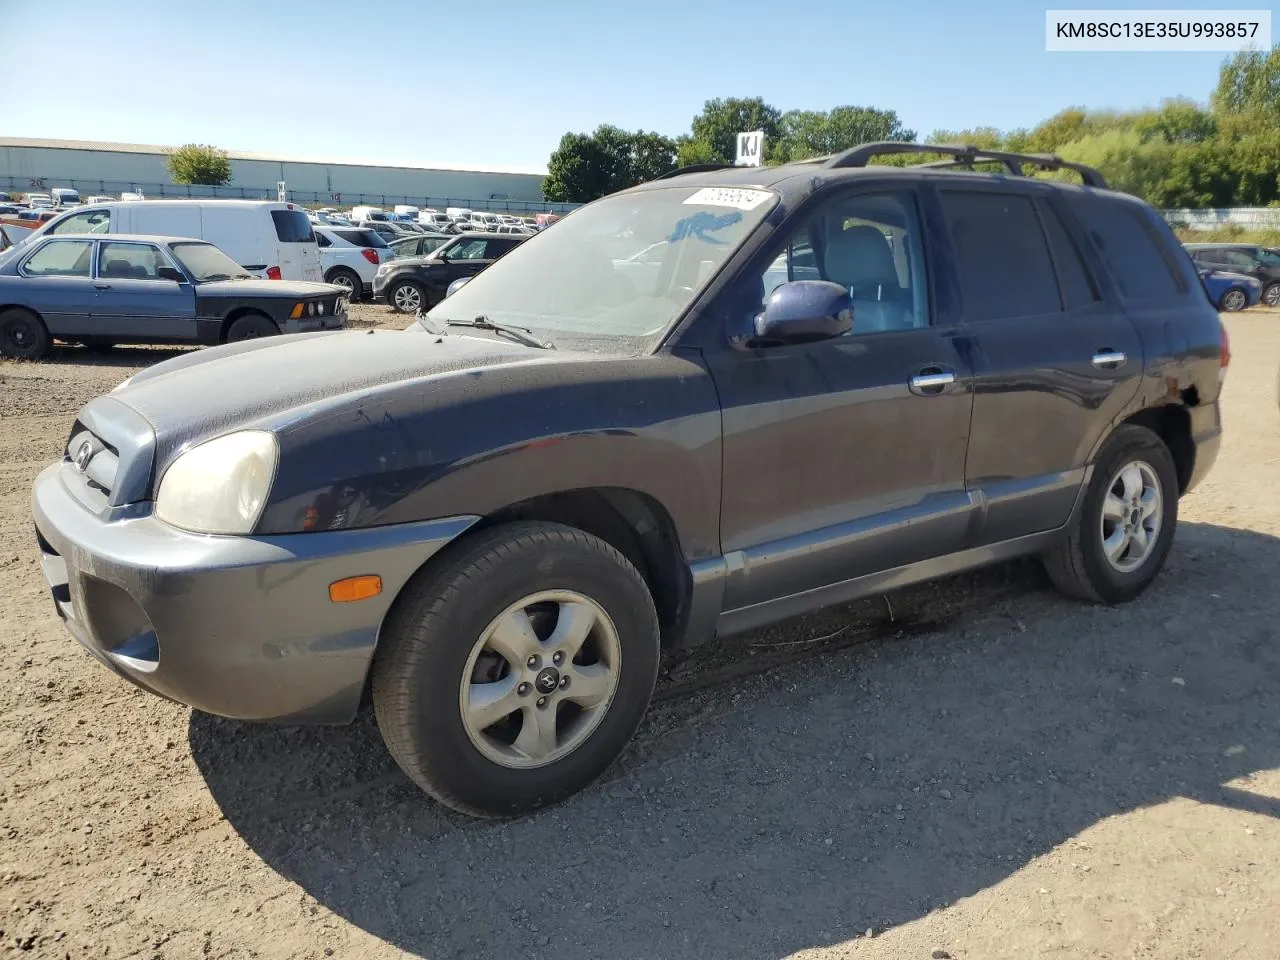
297 253
1055 358
60 285
133 302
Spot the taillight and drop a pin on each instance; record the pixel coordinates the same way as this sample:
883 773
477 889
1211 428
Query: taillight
273 273
1226 346
370 254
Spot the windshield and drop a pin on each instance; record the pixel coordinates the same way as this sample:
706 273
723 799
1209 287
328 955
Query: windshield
624 267
206 262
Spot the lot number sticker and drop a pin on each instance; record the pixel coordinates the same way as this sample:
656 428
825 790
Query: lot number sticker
728 197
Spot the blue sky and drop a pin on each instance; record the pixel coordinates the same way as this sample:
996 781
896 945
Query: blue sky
496 82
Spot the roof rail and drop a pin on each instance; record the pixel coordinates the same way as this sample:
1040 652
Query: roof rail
691 168
966 155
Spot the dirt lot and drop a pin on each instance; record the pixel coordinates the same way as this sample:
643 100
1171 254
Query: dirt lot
979 770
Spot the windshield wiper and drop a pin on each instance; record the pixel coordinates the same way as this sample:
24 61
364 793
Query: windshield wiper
519 334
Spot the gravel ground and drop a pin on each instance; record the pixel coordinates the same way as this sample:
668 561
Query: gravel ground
972 769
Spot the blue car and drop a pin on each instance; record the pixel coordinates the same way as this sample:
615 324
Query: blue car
1230 292
103 289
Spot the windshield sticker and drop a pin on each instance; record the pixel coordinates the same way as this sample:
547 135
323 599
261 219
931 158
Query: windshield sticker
728 197
701 224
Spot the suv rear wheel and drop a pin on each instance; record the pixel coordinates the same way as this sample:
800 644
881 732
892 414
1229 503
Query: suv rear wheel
514 674
343 277
1122 535
406 296
1271 295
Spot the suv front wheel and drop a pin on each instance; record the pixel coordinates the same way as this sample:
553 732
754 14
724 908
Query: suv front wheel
1121 537
511 676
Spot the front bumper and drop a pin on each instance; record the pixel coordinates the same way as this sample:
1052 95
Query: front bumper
311 324
236 626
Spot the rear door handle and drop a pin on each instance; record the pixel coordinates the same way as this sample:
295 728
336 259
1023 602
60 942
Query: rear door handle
931 381
1109 359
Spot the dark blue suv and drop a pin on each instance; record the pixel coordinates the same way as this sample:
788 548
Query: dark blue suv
719 399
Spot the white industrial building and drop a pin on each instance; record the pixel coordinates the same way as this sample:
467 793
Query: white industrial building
31 164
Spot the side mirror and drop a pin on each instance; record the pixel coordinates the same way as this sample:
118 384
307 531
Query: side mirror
171 273
804 311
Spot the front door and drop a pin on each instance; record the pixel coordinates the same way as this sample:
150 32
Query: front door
133 302
843 457
1056 360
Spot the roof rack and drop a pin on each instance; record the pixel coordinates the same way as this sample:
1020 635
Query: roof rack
966 155
692 168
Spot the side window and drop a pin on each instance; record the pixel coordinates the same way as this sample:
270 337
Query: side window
292 226
322 240
1001 255
868 243
60 258
471 250
1136 257
1238 258
90 221
129 261
1077 286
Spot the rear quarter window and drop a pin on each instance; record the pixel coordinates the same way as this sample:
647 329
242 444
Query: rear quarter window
361 238
292 226
1140 261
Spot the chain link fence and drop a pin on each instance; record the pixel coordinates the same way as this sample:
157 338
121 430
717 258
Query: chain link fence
113 188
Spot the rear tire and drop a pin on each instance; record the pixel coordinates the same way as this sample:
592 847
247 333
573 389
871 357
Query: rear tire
250 327
480 652
1271 295
23 335
1121 537
407 296
342 277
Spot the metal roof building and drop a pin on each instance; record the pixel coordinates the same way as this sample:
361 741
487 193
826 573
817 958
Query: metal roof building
32 164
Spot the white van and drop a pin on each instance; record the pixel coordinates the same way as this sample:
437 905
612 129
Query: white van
406 210
361 214
458 213
65 197
269 239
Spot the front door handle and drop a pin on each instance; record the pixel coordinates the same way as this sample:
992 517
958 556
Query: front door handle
1109 359
931 381
102 286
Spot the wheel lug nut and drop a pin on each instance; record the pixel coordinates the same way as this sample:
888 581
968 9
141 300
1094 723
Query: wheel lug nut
558 658
542 701
533 662
564 682
523 689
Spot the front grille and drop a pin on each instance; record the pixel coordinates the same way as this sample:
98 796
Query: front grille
94 458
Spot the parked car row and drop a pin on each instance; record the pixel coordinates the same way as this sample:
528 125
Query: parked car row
1238 275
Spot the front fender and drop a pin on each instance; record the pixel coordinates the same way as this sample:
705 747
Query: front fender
482 440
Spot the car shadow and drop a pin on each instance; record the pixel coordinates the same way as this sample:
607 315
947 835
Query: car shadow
118 356
862 787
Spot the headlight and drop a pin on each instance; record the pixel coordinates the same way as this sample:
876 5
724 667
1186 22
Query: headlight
220 486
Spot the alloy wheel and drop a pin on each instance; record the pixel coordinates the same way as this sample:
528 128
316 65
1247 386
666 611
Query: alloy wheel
1132 513
407 298
1234 300
540 679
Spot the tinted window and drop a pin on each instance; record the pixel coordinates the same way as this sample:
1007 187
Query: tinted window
1143 268
361 238
61 258
1238 258
130 261
292 226
469 250
322 240
1001 255
1077 287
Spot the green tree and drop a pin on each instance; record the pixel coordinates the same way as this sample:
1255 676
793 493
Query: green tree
585 167
720 122
690 151
813 133
1177 121
1062 127
199 163
988 138
1249 82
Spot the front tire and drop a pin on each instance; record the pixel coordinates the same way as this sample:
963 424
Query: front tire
406 296
342 277
514 674
23 335
250 327
1233 301
1271 295
1121 537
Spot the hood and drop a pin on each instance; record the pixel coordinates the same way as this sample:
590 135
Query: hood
285 289
212 391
